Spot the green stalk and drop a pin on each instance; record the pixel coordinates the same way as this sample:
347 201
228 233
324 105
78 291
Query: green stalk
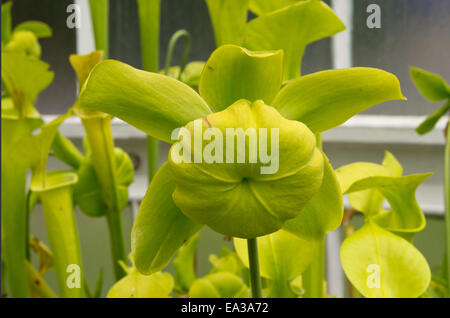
57 205
13 213
173 40
447 200
38 285
99 134
149 12
314 276
100 23
255 277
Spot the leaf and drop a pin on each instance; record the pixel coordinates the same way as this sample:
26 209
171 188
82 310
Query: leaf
184 265
24 78
292 29
83 64
153 103
323 213
227 261
405 218
100 22
326 99
136 285
370 184
403 271
6 22
38 28
233 73
87 193
160 228
431 121
282 255
24 42
32 151
191 74
430 85
228 18
260 7
219 285
245 199
66 151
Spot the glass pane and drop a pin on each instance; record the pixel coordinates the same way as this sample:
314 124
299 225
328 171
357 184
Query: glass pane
412 33
60 95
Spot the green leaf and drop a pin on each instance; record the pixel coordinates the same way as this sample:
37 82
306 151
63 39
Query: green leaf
368 185
232 73
372 255
260 7
323 213
24 42
24 78
33 150
245 199
136 285
40 29
431 85
160 228
228 18
87 192
227 261
184 265
292 29
219 285
191 74
149 12
83 64
282 255
405 218
431 121
153 103
100 22
6 22
326 99
66 151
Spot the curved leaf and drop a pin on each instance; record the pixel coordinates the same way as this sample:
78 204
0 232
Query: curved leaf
153 103
40 29
83 64
233 73
323 213
292 29
24 78
405 218
260 7
160 228
87 193
219 285
431 85
326 99
136 285
381 264
228 18
431 121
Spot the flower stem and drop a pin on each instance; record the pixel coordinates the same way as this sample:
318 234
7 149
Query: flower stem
255 278
447 200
